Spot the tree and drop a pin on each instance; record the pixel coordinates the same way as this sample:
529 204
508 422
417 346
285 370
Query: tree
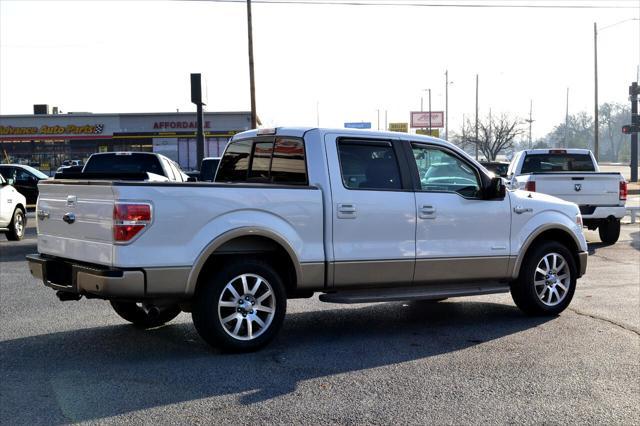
495 135
576 133
612 141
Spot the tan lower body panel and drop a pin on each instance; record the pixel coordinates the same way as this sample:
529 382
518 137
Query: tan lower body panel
167 281
461 269
312 276
372 273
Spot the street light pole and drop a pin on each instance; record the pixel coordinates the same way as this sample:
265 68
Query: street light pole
252 84
446 105
595 73
476 117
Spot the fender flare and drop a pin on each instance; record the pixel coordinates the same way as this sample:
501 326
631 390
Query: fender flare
533 236
244 231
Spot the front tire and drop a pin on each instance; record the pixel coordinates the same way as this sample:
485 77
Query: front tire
547 280
609 231
17 226
145 316
240 307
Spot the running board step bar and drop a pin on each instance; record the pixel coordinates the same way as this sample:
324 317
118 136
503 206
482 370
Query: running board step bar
399 294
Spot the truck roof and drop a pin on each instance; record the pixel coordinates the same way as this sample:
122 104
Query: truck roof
300 131
565 151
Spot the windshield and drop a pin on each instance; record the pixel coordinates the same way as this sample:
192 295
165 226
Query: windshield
549 163
36 172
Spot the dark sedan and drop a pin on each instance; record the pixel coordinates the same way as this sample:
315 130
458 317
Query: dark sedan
25 179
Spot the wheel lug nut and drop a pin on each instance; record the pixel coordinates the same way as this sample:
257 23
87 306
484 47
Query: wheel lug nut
253 303
241 302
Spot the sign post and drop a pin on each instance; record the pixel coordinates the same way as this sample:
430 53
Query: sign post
196 98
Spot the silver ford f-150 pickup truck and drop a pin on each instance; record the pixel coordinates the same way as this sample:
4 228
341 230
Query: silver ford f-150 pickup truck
358 216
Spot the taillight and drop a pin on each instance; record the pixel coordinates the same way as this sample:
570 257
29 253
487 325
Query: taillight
530 186
129 219
623 190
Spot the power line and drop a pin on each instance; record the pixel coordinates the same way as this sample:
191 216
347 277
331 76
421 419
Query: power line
603 5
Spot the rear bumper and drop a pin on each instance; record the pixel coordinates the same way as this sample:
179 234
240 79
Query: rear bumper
582 260
94 280
602 212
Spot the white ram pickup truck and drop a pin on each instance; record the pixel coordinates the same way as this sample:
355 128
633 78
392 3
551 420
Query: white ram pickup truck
574 175
358 216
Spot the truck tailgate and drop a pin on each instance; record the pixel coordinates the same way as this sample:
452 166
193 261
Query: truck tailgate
87 233
601 189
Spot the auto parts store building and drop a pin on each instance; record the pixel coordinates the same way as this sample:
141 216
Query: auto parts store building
46 140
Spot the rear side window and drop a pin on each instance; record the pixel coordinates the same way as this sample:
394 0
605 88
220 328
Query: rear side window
234 165
209 168
368 165
267 160
546 163
124 163
288 165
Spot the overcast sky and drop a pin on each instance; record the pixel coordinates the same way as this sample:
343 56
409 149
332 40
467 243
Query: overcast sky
350 60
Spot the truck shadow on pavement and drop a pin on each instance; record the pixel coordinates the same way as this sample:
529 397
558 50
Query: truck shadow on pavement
94 373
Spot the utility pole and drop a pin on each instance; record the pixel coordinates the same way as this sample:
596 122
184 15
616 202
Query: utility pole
566 122
476 116
386 127
595 69
429 112
530 121
635 121
378 119
252 84
446 104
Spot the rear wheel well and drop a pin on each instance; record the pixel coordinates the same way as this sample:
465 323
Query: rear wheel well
256 247
557 235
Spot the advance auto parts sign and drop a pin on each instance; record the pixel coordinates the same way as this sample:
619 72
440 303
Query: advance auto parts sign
70 129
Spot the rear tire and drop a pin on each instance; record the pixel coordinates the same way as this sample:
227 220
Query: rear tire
609 231
17 226
547 280
155 316
241 306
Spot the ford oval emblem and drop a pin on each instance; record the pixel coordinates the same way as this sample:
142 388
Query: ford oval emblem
577 187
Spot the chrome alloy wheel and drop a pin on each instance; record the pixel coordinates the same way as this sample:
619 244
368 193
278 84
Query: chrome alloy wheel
246 307
552 279
19 224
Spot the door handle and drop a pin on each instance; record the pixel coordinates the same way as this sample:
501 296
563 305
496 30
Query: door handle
427 212
520 209
346 211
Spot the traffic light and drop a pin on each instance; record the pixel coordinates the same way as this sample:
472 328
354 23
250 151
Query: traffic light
630 129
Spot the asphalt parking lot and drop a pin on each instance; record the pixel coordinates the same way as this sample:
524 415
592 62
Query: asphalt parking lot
461 361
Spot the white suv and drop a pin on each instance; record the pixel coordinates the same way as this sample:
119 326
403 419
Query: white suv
13 217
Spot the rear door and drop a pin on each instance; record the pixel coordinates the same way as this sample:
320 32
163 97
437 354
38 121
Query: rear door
76 221
373 212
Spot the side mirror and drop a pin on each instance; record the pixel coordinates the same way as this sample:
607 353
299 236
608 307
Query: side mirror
192 179
496 189
10 181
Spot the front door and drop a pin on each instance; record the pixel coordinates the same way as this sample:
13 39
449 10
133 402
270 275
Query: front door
373 209
460 236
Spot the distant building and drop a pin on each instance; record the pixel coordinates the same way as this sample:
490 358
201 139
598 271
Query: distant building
46 140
